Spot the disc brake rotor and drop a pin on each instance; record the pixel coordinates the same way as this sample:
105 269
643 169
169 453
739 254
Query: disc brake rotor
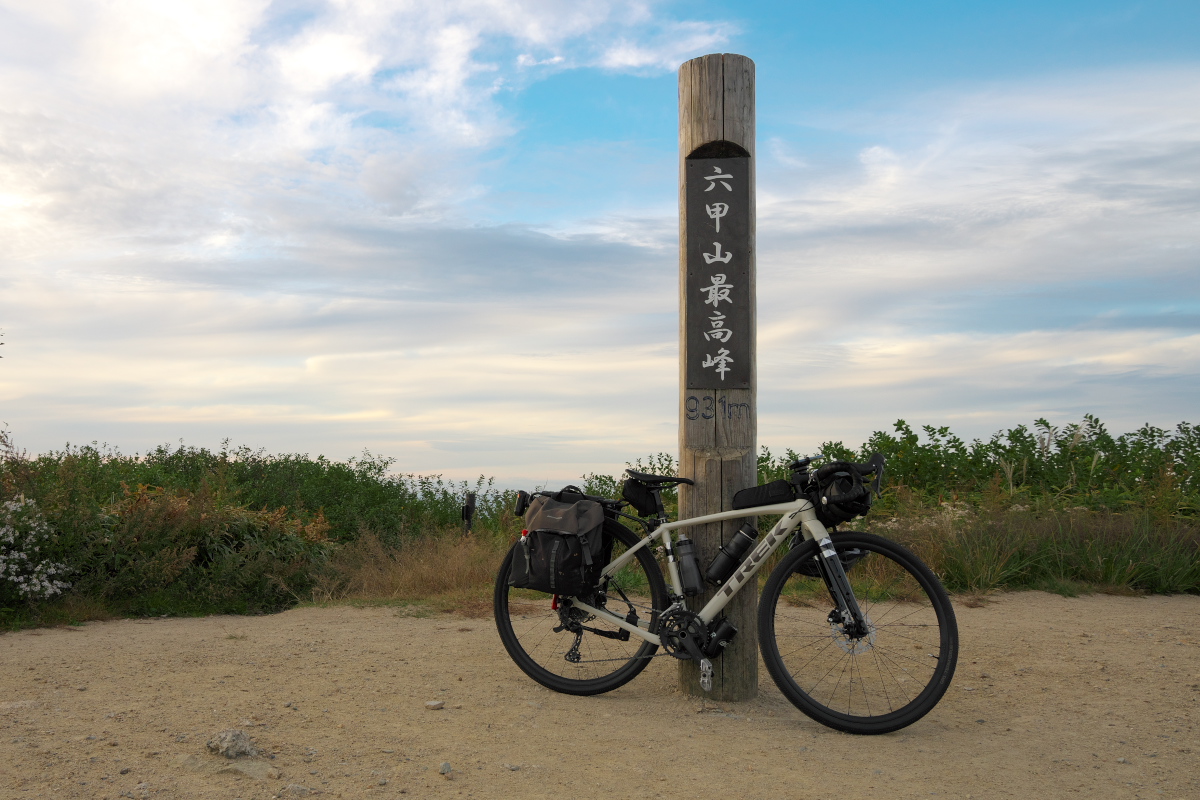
849 641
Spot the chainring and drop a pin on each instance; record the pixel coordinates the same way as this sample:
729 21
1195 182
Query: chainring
675 626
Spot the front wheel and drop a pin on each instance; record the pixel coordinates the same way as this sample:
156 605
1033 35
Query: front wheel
571 651
872 680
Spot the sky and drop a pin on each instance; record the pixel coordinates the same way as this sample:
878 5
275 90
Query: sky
447 232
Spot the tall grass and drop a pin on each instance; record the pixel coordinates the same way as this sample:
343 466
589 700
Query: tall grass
446 570
1064 552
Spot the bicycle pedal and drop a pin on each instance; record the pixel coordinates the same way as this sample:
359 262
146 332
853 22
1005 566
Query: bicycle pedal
706 675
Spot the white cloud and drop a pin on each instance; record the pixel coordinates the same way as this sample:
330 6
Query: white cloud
222 221
673 46
126 113
323 58
142 51
1026 250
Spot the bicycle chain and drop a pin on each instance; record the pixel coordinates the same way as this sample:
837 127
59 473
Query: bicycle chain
572 654
602 660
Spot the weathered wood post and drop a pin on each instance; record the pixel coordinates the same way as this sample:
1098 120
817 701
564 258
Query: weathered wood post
718 418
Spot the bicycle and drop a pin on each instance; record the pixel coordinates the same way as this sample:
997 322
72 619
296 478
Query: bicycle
853 628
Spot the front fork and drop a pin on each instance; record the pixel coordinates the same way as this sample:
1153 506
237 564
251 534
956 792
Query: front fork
853 620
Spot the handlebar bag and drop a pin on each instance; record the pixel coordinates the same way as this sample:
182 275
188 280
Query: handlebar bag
839 494
562 549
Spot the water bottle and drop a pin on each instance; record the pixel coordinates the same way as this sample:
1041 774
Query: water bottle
731 554
689 567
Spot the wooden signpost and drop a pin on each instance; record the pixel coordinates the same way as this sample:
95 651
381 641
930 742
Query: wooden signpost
717 373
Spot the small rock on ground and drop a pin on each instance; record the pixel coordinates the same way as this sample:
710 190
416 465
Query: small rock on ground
232 743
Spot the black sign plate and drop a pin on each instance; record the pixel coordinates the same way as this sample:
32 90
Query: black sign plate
718 273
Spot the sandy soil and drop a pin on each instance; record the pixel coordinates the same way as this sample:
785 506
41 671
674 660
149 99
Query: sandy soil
1094 696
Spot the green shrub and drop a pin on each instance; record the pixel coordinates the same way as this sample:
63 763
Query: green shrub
1047 508
1082 464
190 530
229 531
352 497
156 550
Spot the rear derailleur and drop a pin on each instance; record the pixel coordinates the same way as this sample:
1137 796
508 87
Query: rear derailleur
572 619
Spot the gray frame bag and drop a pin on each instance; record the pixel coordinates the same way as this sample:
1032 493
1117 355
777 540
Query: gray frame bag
562 549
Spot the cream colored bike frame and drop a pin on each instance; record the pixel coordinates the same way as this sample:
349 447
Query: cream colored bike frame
797 513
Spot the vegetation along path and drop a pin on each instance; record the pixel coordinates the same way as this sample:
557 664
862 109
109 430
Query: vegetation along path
1097 696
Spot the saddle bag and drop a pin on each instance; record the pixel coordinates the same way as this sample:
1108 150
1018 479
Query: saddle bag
638 495
563 547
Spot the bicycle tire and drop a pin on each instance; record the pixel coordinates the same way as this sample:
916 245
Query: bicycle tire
875 684
526 622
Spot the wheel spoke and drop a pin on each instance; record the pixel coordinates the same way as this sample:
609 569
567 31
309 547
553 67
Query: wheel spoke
870 683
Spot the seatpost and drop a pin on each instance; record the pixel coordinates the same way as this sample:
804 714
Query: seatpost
662 511
672 562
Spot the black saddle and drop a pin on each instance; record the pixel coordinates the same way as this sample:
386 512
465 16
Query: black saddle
658 480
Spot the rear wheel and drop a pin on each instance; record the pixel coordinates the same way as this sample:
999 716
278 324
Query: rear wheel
860 681
571 651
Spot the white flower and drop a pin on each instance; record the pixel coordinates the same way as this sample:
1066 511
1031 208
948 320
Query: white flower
23 533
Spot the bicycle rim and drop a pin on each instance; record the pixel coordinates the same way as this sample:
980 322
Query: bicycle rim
590 659
875 683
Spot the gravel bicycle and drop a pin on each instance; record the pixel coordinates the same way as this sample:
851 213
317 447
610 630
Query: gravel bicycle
853 628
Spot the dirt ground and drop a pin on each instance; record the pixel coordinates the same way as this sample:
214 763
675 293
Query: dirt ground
1094 696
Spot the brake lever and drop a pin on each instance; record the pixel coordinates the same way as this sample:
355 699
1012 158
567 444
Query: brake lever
879 462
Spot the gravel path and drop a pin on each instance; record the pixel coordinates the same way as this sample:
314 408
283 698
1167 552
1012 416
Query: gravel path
1093 696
